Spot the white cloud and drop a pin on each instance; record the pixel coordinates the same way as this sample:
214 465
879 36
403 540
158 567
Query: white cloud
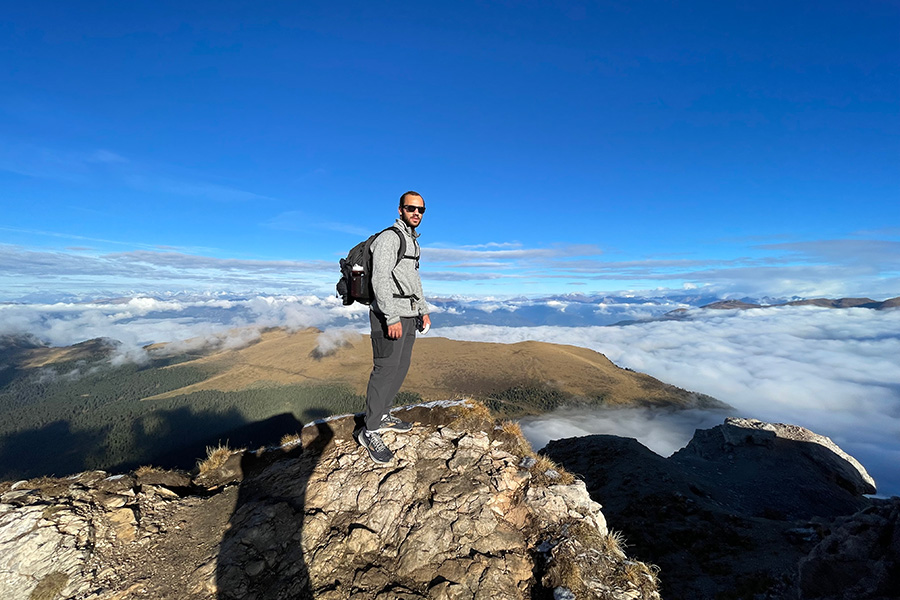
188 323
875 254
836 372
815 268
664 432
24 271
296 220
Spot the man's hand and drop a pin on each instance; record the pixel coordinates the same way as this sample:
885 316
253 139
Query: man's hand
395 330
426 321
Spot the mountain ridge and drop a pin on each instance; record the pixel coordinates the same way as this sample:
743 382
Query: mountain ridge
477 369
465 511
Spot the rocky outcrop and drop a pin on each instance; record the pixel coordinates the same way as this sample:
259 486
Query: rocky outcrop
858 558
464 511
773 469
746 510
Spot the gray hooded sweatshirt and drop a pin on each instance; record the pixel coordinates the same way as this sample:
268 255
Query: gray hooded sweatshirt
398 289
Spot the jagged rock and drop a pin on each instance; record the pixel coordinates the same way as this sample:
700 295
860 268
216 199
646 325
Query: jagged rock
159 477
43 549
744 434
117 484
456 515
229 472
859 559
774 470
733 513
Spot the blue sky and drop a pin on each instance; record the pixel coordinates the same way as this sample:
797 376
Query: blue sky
745 148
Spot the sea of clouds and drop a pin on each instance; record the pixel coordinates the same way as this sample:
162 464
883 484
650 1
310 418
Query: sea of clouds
836 372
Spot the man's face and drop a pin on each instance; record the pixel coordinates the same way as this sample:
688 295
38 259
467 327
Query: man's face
412 217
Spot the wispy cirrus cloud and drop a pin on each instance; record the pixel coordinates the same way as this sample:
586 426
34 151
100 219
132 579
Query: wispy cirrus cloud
101 242
463 276
880 232
873 254
843 267
27 271
108 167
507 252
72 236
297 220
190 262
813 268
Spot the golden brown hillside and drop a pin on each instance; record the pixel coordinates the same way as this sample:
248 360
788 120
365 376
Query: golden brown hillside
442 369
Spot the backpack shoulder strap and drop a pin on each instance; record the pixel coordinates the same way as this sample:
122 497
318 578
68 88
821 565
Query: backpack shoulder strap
401 252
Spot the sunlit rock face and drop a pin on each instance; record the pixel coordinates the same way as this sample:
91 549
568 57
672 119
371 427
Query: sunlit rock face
465 510
746 509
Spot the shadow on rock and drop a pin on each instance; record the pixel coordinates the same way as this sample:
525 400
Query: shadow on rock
261 555
734 513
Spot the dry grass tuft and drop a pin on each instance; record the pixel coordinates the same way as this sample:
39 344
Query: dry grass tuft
49 586
147 470
593 565
546 472
290 439
512 437
471 415
615 543
216 456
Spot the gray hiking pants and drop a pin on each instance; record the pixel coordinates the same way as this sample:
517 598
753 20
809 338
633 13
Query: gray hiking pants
391 358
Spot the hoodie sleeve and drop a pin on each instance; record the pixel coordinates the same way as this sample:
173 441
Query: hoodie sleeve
384 258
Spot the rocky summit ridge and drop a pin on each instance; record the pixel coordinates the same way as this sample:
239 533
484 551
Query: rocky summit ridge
465 511
746 510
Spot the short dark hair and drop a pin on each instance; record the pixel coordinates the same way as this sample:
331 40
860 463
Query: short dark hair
409 193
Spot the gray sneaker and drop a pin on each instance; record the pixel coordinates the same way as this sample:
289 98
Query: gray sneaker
389 423
371 441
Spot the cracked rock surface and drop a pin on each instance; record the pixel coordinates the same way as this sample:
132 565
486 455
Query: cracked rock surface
457 514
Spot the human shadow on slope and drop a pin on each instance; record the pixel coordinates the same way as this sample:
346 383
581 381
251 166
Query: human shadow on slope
171 439
54 449
261 555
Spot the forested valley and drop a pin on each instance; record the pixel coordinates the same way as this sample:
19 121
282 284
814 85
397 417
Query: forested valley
77 415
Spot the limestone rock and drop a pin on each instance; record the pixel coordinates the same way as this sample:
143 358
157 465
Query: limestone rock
42 550
772 469
122 485
170 479
458 514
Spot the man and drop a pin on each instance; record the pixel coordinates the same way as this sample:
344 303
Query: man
398 310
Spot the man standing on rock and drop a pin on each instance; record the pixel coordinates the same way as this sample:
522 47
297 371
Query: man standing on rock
398 310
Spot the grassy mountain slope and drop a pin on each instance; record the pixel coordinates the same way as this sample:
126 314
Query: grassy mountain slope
64 410
441 369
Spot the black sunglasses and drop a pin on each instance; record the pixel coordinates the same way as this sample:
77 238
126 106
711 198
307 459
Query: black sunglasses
410 208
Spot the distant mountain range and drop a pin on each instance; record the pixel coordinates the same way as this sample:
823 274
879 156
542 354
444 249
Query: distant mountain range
680 313
562 310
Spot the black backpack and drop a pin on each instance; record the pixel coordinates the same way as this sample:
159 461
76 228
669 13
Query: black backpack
355 284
